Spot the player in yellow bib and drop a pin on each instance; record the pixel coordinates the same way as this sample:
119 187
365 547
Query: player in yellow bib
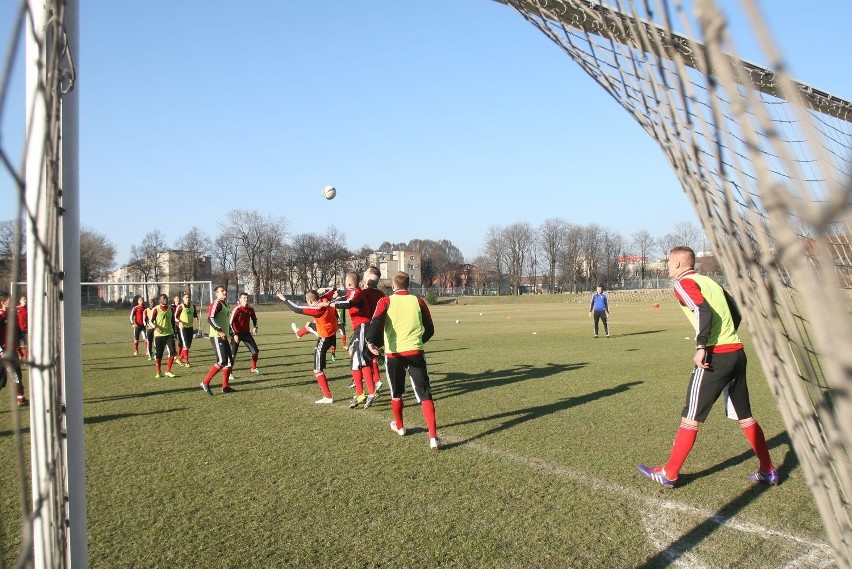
162 320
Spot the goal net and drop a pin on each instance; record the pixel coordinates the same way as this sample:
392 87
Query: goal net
108 294
765 162
41 172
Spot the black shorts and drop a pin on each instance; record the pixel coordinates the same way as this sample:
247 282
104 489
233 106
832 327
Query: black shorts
415 365
139 333
163 342
249 341
323 345
726 369
186 335
361 355
222 350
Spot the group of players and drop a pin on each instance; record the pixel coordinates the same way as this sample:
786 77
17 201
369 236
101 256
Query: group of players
19 340
400 323
169 329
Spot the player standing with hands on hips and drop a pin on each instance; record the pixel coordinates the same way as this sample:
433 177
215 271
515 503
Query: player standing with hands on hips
600 308
720 364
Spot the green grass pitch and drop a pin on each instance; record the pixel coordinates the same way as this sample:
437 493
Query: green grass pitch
543 426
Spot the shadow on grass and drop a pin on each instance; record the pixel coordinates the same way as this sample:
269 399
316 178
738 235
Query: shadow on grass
117 416
519 416
790 461
460 383
178 390
670 555
642 333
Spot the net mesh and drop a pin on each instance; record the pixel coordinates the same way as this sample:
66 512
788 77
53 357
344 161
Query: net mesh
33 169
766 163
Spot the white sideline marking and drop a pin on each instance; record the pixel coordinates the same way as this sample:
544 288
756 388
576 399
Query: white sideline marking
815 554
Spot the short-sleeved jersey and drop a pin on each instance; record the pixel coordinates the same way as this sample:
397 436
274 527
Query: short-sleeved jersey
241 319
163 320
22 315
137 315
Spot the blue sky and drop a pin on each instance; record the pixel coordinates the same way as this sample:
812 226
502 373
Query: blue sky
434 119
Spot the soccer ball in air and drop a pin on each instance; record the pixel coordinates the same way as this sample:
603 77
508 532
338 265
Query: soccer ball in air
329 192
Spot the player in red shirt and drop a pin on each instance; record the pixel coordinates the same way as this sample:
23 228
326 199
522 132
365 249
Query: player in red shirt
325 319
372 293
359 314
16 368
241 317
137 322
23 317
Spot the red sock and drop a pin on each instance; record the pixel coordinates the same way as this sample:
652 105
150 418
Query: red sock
184 355
376 375
429 414
359 384
680 449
396 407
367 372
158 363
754 434
302 331
344 341
135 346
213 371
169 363
322 380
254 362
226 375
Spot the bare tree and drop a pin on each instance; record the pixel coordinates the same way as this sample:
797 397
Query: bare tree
97 255
571 259
495 251
145 258
669 241
307 251
612 250
8 244
195 244
551 240
439 260
643 244
591 242
489 275
333 256
519 239
12 253
225 253
690 235
252 231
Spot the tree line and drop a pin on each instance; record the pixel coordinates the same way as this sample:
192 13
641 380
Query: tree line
259 246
